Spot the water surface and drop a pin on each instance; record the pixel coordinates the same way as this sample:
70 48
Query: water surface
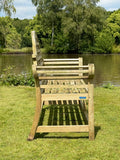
107 67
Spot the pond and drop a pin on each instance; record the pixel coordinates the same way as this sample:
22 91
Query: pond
107 67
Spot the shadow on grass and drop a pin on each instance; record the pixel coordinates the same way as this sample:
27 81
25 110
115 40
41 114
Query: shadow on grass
63 115
97 128
46 135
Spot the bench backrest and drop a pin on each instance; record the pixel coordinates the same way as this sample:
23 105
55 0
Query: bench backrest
54 69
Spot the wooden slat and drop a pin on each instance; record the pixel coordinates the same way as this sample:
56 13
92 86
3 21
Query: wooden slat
64 86
57 67
71 59
50 63
71 96
72 128
62 77
83 109
60 74
82 81
62 71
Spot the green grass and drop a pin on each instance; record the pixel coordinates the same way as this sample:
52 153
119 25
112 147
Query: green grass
16 115
22 50
11 50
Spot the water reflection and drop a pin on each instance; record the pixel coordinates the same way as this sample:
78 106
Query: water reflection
107 67
21 63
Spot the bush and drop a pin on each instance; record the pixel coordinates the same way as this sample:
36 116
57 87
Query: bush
104 43
1 50
9 78
116 49
61 45
108 86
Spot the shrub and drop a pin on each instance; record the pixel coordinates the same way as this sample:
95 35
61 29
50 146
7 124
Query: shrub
108 86
116 49
1 50
104 43
9 78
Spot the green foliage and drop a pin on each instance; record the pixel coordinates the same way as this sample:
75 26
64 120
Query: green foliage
65 26
116 49
42 31
12 39
73 24
108 86
61 45
7 6
50 11
104 42
20 26
11 50
81 22
109 37
9 78
1 50
2 40
113 25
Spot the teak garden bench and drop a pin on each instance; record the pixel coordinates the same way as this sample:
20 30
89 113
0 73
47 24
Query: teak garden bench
62 80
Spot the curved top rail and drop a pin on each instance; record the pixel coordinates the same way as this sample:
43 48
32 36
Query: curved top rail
36 56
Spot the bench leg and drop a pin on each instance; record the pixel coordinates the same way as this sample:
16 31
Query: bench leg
91 113
37 112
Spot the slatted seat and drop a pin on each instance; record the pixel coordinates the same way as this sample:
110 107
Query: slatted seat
65 81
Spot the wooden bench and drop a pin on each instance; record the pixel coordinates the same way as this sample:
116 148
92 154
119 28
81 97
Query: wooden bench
65 81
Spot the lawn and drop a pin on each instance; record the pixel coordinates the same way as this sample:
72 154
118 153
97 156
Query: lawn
17 106
12 50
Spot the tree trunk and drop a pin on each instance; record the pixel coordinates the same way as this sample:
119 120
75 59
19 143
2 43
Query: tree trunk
52 39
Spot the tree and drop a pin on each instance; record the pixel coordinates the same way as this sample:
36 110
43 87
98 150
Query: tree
5 27
20 26
104 42
74 24
49 10
7 6
113 25
42 31
2 40
109 35
13 39
81 22
10 36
